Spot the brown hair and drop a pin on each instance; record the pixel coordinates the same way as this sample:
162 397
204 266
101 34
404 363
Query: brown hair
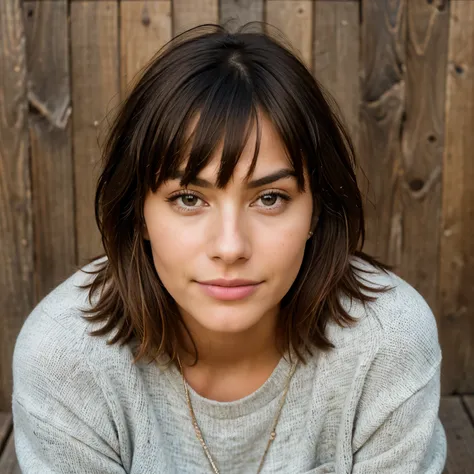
224 78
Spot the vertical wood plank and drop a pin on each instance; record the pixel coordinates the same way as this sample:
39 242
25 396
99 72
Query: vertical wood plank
457 243
6 422
95 91
188 14
459 435
469 404
382 107
16 227
145 26
240 12
422 146
295 20
336 57
50 136
8 460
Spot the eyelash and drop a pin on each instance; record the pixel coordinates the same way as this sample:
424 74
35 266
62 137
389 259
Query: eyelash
173 198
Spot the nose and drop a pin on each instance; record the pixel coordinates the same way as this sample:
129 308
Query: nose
229 240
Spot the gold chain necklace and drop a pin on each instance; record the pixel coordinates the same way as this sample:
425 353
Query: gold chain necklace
199 433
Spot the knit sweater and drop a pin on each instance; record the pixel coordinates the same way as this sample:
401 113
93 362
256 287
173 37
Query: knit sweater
369 406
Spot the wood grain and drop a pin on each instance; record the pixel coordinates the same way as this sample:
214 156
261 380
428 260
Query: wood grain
459 434
145 26
188 14
6 421
95 92
381 120
295 20
16 220
457 244
336 57
422 141
8 460
236 13
468 401
51 143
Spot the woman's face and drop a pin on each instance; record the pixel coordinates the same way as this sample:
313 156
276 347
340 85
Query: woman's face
247 231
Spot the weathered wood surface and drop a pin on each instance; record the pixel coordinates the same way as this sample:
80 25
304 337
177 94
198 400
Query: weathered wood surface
456 285
95 93
235 13
51 143
460 436
422 140
293 18
383 42
188 14
145 26
16 219
336 57
5 428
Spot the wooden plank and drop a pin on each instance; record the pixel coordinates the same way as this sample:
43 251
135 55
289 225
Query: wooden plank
6 421
295 20
422 141
8 460
236 13
469 404
381 118
50 135
95 92
457 245
459 434
188 14
145 26
16 225
336 57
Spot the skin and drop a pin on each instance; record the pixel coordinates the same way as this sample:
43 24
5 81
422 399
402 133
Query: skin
231 233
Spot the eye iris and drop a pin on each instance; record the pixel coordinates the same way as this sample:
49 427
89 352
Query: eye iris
269 199
189 199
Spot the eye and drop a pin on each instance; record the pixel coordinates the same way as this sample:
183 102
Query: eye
185 201
273 199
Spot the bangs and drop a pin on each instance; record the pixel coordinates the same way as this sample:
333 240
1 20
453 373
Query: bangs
200 119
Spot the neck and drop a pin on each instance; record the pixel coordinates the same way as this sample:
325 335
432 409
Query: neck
256 346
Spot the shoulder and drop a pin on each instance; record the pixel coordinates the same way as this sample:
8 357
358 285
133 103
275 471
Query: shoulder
54 355
398 327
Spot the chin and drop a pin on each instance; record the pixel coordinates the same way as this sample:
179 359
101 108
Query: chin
230 322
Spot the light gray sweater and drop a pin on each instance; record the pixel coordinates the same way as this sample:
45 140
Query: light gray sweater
368 407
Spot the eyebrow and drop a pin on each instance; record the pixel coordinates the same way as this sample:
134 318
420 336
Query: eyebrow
256 183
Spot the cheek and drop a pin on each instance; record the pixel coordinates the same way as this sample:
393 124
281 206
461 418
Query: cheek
285 256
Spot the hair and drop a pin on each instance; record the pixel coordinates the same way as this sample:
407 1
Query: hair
223 79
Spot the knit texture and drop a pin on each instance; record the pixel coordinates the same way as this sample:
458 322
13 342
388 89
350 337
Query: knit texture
369 406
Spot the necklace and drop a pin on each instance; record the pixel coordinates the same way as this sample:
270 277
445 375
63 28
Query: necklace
198 430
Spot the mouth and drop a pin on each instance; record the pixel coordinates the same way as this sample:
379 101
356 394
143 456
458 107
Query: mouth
229 292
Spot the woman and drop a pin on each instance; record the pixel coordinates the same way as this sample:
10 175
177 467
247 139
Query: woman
234 324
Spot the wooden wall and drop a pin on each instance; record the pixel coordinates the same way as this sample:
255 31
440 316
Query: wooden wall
402 72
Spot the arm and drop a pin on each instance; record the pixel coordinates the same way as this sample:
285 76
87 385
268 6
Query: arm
43 447
63 420
397 429
408 440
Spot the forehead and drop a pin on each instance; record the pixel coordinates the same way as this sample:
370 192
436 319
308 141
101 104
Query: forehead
272 154
237 148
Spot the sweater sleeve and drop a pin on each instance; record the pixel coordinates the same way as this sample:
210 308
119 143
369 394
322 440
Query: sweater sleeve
46 448
397 426
63 420
410 440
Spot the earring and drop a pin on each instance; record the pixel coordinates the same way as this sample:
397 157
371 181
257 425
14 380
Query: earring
310 234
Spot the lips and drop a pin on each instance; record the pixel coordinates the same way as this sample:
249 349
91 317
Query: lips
228 290
229 283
